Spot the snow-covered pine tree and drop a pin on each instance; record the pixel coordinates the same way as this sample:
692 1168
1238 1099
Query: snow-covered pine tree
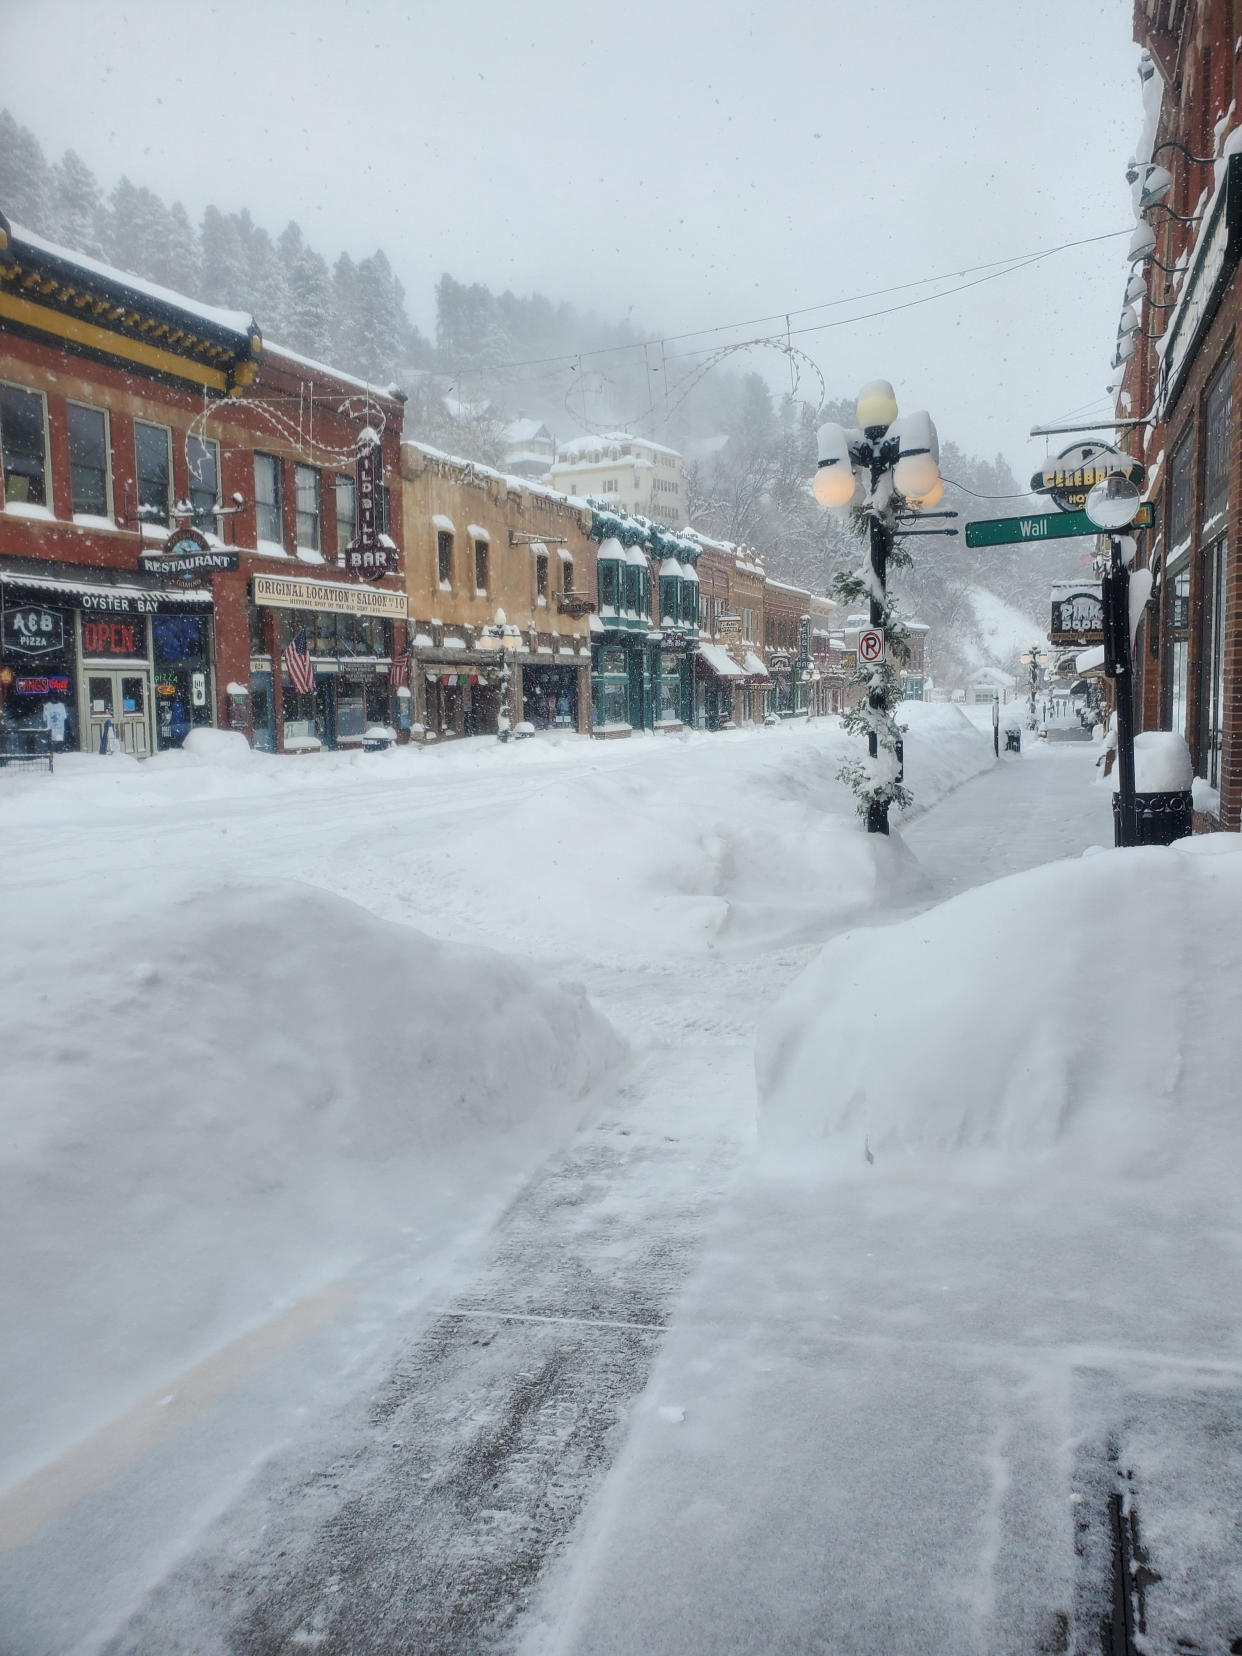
221 258
181 254
308 295
136 231
380 319
25 178
78 210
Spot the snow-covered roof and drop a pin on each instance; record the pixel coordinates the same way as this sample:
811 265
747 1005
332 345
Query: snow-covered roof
235 321
392 393
584 445
522 485
526 431
720 661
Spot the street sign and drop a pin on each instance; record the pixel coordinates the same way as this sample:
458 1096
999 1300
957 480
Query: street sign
1070 478
871 647
1042 526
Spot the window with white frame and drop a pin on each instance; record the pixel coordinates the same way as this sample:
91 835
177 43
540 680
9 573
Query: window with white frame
346 516
306 495
153 468
90 470
202 455
23 446
268 500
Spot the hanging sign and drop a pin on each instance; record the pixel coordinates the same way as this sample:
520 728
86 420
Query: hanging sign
804 643
32 630
1070 478
187 553
1077 614
370 552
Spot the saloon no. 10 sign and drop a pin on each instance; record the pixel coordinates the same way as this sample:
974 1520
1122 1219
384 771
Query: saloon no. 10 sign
32 631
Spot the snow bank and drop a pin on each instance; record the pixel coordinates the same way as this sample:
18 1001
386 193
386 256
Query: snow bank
1049 1011
228 1097
1161 763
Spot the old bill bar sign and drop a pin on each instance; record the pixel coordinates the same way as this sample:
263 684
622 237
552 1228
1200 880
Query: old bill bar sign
1070 478
371 552
187 553
1041 526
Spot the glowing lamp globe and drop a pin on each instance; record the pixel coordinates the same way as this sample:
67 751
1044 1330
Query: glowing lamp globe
917 471
924 503
877 406
833 486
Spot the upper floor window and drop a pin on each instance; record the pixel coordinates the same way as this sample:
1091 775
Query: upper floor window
608 584
1180 487
268 503
23 446
346 515
153 464
567 571
306 493
541 574
444 557
1217 420
203 466
90 473
480 566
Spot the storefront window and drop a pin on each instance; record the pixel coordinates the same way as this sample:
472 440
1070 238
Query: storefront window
154 465
88 460
1215 562
351 712
1180 486
1179 619
1217 419
608 585
203 462
23 445
669 610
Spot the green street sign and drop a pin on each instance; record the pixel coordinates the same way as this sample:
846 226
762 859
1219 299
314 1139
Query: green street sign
1041 526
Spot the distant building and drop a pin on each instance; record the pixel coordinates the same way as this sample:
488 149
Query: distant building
625 473
990 684
530 448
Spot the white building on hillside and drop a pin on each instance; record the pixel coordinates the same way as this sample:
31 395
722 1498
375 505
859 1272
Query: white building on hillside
627 472
530 448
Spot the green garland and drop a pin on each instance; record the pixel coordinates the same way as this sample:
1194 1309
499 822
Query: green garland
635 530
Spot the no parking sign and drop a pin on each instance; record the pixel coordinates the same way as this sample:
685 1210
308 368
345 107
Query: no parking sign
871 647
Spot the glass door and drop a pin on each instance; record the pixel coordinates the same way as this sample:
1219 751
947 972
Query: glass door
117 712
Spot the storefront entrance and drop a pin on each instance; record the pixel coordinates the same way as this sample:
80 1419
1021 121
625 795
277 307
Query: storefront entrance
122 695
550 697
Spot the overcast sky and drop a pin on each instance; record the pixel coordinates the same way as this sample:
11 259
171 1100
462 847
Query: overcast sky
688 165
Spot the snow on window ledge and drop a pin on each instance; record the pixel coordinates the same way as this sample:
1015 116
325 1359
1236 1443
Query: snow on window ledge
29 509
446 586
271 549
88 520
308 554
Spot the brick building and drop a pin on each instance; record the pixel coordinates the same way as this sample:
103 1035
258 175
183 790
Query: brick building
177 499
1189 650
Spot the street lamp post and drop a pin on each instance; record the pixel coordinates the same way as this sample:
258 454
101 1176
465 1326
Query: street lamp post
875 467
505 638
1037 661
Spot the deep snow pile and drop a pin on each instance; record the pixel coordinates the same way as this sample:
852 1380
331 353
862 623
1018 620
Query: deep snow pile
1087 1006
220 1100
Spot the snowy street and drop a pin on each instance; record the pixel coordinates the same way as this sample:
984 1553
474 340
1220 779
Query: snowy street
409 1468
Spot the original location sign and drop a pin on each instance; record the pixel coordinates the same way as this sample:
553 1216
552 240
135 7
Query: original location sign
1042 526
1070 478
871 647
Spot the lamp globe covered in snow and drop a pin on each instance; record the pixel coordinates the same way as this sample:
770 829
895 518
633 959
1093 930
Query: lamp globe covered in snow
885 465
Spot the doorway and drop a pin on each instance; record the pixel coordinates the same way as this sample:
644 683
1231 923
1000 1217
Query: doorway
124 696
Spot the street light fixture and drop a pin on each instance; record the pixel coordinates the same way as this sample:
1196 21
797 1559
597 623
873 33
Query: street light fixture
506 638
1036 659
872 467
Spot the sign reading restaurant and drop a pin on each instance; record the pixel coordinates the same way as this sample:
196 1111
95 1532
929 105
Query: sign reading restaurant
188 553
287 592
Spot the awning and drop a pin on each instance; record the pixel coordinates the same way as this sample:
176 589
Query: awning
719 661
610 551
636 555
689 573
115 591
670 567
757 671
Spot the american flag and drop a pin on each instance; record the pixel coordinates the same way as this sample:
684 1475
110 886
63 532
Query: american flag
298 661
400 670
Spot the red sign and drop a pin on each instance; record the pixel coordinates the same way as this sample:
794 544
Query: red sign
41 686
114 638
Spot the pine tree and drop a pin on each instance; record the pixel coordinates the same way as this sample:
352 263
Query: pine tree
308 287
25 178
182 255
78 207
380 318
220 256
346 342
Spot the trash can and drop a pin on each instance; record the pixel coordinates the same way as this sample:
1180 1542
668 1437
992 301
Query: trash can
1160 818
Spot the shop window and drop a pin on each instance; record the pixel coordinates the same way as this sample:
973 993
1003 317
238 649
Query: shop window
608 585
1213 698
444 558
153 463
567 574
635 597
668 600
89 469
1179 654
178 638
268 500
351 711
122 636
346 516
1217 419
203 466
23 446
306 495
541 576
1181 479
480 566
258 636
325 633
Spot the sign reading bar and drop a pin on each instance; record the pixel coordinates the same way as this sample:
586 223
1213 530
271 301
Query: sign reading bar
1070 478
286 592
370 552
1042 526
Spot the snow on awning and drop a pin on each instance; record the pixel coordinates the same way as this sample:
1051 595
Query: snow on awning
636 555
755 667
611 551
445 524
689 573
539 549
102 588
1089 661
476 531
564 554
719 661
670 566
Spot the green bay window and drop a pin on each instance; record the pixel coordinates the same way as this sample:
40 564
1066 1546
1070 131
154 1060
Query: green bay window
610 683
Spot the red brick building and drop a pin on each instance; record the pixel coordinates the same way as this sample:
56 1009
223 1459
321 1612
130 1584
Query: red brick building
1182 368
177 498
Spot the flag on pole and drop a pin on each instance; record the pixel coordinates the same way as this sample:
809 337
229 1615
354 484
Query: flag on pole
400 670
299 664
